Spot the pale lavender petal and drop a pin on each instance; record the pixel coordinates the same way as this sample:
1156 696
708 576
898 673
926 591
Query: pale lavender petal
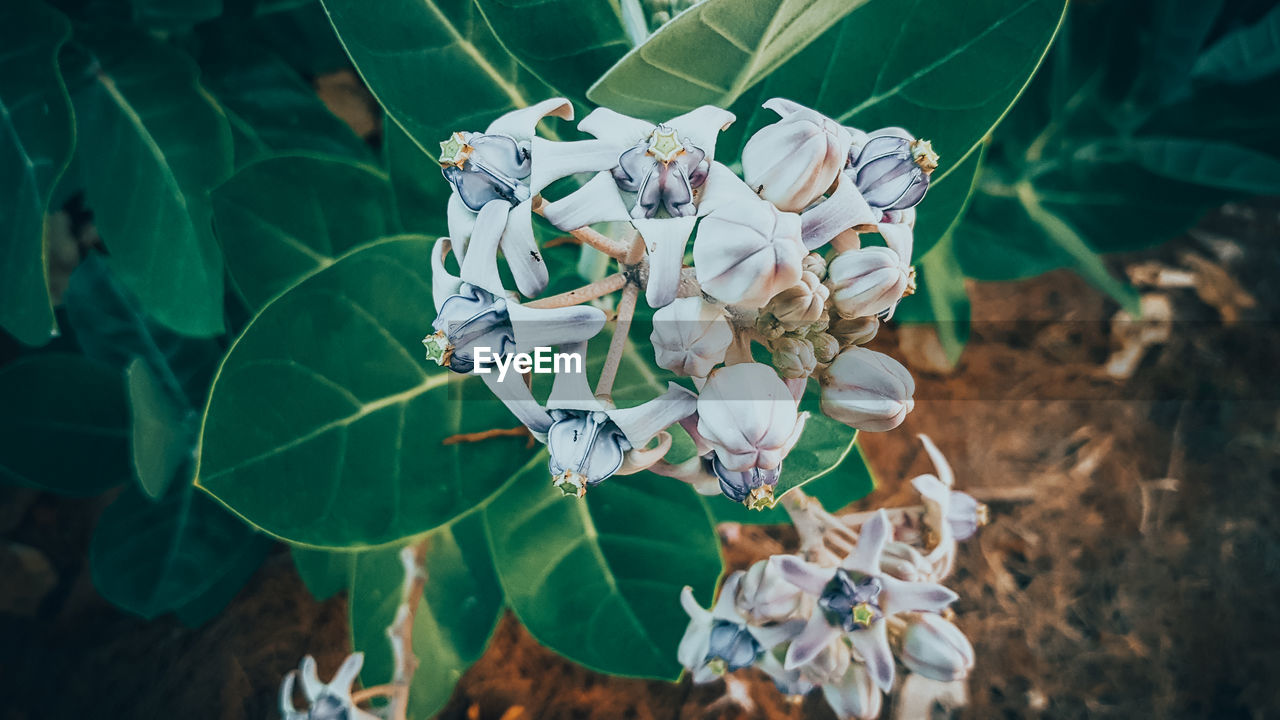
843 209
616 128
520 124
347 672
856 696
555 160
695 611
642 422
521 251
549 327
287 709
932 490
722 187
962 515
701 127
311 685
571 390
597 201
899 237
803 574
874 533
815 636
480 268
443 283
665 240
943 467
900 596
462 223
784 107
519 400
724 608
873 645
771 636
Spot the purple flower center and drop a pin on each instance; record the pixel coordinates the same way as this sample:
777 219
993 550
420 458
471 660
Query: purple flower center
849 600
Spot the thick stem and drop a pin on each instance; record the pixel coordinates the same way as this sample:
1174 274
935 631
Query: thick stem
362 696
616 249
626 310
460 438
586 293
400 631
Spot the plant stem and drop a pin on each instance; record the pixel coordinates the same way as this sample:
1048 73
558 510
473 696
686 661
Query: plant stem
618 250
626 310
460 438
823 538
367 694
400 631
597 289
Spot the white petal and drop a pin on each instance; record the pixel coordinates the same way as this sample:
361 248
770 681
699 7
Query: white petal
939 461
462 222
842 210
691 607
856 696
899 237
872 537
555 160
596 202
772 636
701 126
311 685
572 390
642 422
933 492
443 283
643 458
722 187
549 327
287 709
347 672
900 596
480 267
520 124
816 636
804 574
873 645
665 240
724 609
616 128
521 250
519 400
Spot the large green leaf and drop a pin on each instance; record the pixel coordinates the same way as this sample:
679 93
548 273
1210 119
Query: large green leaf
598 579
1221 164
152 144
284 217
151 557
711 54
65 425
1244 55
421 193
36 139
435 65
873 70
325 572
162 434
325 423
270 107
174 14
566 43
460 606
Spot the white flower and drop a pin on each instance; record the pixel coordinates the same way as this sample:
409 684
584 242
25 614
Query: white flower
867 390
690 337
750 419
748 251
661 178
494 175
936 648
949 516
854 600
721 640
793 162
867 282
329 701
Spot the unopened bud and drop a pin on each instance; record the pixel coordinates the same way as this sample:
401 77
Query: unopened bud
747 251
690 337
816 264
766 597
801 304
892 169
793 357
935 648
793 162
825 346
867 281
855 696
867 390
855 331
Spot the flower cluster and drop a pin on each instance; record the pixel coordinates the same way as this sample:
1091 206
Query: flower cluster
838 623
779 262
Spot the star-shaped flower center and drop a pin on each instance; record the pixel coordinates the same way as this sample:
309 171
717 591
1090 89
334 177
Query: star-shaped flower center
665 144
761 498
922 152
571 483
438 347
864 614
454 151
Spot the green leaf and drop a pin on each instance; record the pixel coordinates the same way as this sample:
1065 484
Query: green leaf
566 43
460 606
244 563
421 193
712 53
941 299
325 572
65 425
849 482
152 144
945 204
1244 55
283 218
946 75
434 65
598 580
325 423
36 139
162 435
174 14
152 557
270 107
1218 164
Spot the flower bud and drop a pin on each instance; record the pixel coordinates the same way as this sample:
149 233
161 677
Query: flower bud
766 597
793 357
747 415
747 251
905 563
792 162
816 264
690 337
867 390
825 347
935 648
855 331
855 696
801 304
867 282
892 169
829 665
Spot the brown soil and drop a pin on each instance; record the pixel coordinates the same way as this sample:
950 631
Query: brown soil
1130 568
